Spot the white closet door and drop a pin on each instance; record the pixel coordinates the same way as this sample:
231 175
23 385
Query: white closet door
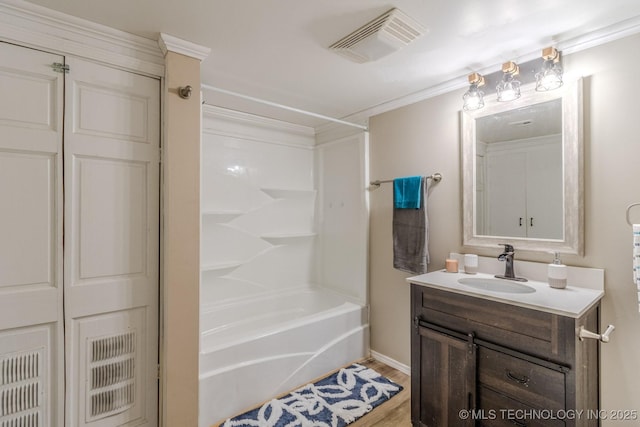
506 194
545 208
111 159
31 343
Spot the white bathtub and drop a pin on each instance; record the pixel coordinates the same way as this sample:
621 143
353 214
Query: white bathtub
252 351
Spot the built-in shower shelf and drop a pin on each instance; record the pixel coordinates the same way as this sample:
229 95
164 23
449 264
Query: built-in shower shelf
281 237
230 265
223 215
283 193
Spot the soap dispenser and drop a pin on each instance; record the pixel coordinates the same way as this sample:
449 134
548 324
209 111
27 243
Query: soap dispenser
557 273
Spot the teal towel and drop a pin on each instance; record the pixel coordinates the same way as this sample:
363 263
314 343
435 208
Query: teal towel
407 192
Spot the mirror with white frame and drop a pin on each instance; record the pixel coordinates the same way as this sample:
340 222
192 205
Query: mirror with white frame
522 168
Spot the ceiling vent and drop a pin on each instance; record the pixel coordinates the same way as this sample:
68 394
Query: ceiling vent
386 34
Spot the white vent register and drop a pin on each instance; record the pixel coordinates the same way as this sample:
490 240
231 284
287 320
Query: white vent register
387 33
20 389
112 372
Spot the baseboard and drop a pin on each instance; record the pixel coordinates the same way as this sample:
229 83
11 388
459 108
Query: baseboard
391 362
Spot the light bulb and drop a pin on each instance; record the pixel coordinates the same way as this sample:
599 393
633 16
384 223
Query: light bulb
509 88
473 99
550 75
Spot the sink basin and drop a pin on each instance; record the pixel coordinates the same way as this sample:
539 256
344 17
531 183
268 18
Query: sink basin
496 285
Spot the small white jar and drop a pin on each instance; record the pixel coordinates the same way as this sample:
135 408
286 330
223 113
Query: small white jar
470 263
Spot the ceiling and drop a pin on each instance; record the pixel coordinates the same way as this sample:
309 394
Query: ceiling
530 121
277 50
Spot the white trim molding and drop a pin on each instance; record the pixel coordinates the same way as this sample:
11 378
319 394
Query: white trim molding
35 26
331 132
169 43
576 44
237 124
391 362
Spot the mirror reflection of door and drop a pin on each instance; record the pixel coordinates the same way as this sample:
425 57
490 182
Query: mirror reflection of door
519 177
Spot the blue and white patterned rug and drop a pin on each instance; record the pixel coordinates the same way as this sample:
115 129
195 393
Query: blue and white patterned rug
334 401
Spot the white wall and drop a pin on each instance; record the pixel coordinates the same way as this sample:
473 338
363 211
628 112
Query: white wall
424 138
279 212
258 207
343 215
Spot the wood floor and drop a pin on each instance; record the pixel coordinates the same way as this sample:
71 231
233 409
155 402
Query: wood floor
395 412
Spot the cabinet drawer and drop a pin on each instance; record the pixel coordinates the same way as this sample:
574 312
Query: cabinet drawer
530 331
522 380
498 410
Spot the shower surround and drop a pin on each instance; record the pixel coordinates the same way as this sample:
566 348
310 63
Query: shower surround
283 259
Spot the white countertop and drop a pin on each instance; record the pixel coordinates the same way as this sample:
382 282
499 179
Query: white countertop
573 301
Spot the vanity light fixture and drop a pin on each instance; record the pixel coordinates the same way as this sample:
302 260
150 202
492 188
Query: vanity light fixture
474 98
509 87
545 71
550 76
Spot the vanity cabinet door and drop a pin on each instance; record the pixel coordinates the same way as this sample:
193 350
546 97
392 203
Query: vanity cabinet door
445 384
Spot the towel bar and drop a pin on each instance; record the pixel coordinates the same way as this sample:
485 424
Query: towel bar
436 177
628 210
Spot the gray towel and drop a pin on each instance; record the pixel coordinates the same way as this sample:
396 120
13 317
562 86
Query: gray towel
411 236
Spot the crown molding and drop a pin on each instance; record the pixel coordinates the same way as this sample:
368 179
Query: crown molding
32 25
431 92
586 41
599 37
169 43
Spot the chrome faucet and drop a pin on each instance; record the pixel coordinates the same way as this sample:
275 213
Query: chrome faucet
507 257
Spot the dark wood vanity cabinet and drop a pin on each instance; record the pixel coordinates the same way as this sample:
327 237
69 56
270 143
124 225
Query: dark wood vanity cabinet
447 367
477 362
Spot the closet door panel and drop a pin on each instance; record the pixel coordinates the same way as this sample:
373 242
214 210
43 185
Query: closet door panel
31 343
31 96
545 199
28 219
111 219
506 194
112 253
110 121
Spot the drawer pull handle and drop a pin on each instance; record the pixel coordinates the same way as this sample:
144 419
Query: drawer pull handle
520 380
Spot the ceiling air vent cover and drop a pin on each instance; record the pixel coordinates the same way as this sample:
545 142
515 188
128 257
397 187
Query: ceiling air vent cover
387 33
